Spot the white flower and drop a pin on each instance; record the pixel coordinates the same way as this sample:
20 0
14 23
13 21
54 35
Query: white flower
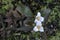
41 29
38 20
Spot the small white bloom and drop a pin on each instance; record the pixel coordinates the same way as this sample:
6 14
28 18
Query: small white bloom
40 29
39 17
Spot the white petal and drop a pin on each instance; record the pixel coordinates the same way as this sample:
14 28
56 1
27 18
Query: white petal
38 22
35 29
42 19
38 14
35 21
41 29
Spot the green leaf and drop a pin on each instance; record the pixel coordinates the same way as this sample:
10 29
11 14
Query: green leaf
24 10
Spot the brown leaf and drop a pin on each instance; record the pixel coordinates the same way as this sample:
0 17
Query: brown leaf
15 14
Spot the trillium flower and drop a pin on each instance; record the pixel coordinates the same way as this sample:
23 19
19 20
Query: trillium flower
38 20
